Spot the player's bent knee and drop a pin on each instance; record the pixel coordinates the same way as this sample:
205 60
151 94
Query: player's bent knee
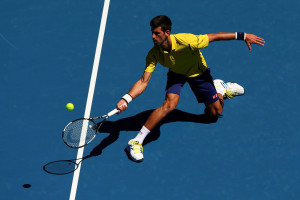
219 112
168 107
215 112
170 102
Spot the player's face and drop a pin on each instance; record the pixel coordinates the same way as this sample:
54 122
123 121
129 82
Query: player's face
159 37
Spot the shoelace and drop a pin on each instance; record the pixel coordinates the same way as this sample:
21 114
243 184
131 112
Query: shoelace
137 147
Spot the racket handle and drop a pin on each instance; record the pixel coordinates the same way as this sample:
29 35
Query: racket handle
113 112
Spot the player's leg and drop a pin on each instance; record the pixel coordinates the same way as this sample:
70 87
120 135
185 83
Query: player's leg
157 115
205 92
224 91
134 147
215 109
174 85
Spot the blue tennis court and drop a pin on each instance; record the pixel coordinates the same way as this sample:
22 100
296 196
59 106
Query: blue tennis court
47 50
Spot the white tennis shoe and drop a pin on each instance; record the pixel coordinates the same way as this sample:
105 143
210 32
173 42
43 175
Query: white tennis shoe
135 150
230 89
235 90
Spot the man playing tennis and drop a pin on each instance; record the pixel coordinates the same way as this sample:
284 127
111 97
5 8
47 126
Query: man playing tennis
181 54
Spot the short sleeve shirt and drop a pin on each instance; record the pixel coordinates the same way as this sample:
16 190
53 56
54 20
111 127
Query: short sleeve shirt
185 57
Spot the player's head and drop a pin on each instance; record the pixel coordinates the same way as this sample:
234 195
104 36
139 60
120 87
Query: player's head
163 21
161 29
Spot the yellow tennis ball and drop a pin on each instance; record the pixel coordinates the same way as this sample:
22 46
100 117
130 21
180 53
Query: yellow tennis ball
70 106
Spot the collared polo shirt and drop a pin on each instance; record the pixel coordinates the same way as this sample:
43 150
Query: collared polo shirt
185 57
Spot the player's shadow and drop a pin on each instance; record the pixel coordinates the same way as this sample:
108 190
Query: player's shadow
134 123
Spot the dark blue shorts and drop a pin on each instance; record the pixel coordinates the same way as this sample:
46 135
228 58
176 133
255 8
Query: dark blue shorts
202 86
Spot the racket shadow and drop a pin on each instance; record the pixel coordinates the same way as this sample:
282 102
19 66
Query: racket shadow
134 123
63 167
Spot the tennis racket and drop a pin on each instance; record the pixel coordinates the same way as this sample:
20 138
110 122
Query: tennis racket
81 132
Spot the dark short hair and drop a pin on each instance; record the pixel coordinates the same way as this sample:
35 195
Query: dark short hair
163 21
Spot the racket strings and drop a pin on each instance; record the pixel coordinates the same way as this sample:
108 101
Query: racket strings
72 133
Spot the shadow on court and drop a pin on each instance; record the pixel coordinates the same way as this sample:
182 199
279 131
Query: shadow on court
113 128
135 123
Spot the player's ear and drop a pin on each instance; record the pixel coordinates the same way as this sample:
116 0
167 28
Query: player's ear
168 32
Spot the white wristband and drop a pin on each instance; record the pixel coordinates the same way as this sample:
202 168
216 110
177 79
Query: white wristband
127 98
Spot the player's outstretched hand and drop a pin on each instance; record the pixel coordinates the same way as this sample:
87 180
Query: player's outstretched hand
122 105
253 39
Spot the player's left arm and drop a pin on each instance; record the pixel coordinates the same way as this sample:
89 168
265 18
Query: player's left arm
249 38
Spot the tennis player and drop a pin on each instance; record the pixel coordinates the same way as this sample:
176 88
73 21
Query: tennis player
181 54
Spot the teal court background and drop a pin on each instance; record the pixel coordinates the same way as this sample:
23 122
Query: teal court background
47 50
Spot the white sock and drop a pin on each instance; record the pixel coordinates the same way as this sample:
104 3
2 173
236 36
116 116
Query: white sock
141 135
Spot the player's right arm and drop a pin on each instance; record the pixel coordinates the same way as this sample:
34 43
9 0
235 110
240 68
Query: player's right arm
137 89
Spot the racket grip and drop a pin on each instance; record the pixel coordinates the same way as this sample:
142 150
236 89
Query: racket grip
113 112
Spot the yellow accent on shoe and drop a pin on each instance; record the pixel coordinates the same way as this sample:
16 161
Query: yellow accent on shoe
233 89
135 150
137 147
229 93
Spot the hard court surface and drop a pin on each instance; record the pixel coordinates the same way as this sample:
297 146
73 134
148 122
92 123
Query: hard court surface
47 50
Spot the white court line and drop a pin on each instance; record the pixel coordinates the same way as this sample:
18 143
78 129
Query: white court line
91 92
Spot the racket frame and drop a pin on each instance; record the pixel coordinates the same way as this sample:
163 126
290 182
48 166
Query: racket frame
104 117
